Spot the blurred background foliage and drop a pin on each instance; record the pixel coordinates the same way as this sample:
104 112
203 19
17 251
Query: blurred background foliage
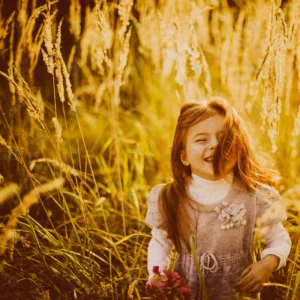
90 91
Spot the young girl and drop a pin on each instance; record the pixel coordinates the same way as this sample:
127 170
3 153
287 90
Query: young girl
219 194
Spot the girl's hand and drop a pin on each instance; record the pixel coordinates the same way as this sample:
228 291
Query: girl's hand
255 275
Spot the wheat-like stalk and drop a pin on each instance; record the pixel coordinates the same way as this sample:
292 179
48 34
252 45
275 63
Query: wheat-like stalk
4 28
58 131
181 55
149 42
58 65
293 36
68 83
22 15
193 51
207 82
34 106
59 164
64 67
271 75
29 199
206 46
167 33
90 34
34 43
4 143
60 80
8 191
294 142
124 11
71 58
47 35
75 18
104 37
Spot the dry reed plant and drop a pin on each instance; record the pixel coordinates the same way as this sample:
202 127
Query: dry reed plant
54 60
58 131
31 198
34 105
4 143
47 35
63 68
7 191
59 164
4 29
75 18
105 83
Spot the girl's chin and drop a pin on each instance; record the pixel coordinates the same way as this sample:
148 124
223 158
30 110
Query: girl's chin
206 174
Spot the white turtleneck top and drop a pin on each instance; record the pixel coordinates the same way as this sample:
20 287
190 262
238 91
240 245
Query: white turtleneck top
210 192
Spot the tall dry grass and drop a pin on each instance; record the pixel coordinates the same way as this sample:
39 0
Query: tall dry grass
91 94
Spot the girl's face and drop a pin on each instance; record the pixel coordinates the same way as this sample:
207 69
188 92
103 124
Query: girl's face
201 143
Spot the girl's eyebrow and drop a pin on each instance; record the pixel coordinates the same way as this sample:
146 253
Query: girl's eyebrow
203 133
200 133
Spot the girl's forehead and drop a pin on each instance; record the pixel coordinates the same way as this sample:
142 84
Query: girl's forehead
210 125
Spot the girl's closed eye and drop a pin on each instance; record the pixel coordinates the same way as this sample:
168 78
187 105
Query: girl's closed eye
202 140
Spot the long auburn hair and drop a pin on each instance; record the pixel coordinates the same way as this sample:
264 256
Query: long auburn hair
234 142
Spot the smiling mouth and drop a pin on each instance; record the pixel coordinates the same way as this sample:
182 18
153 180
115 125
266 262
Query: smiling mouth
209 159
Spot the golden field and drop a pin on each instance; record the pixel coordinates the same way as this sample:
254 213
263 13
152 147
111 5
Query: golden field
90 92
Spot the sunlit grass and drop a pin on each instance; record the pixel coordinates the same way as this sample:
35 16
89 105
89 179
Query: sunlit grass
94 100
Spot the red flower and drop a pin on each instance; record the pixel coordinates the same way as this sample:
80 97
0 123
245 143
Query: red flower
159 283
184 289
172 275
167 286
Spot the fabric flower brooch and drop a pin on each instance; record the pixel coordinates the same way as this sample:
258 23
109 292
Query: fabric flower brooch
231 215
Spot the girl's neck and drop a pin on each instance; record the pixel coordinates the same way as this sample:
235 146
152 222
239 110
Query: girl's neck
225 181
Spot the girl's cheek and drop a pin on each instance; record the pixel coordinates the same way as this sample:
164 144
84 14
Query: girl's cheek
195 149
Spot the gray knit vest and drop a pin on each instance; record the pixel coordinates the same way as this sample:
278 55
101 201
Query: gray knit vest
222 234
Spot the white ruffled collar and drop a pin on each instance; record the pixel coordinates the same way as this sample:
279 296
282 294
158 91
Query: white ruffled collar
223 183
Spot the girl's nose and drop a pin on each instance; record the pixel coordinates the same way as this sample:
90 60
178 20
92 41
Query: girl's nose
213 142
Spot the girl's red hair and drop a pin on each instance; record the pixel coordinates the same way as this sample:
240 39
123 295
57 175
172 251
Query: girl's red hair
235 142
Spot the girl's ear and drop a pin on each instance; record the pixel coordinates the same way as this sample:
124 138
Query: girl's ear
184 161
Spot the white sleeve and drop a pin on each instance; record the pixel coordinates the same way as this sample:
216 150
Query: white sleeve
278 242
159 250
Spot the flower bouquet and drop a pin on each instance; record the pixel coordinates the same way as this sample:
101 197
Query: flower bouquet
167 285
